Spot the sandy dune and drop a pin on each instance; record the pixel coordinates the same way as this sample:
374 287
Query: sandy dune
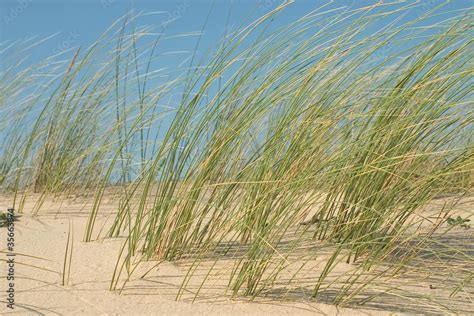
40 243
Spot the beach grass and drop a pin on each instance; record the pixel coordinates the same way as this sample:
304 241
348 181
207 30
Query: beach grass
278 145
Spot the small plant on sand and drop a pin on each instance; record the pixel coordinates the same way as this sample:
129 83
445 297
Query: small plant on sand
3 218
459 221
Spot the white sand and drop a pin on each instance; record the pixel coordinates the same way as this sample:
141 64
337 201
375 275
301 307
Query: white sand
40 244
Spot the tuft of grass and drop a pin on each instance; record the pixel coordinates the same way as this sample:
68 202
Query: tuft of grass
459 221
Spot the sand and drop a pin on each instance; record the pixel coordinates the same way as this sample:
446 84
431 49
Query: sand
40 244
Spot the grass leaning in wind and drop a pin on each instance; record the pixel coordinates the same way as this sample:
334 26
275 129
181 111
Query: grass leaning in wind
249 194
68 145
246 194
278 145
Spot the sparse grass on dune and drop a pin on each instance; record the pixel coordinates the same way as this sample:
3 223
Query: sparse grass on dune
280 145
